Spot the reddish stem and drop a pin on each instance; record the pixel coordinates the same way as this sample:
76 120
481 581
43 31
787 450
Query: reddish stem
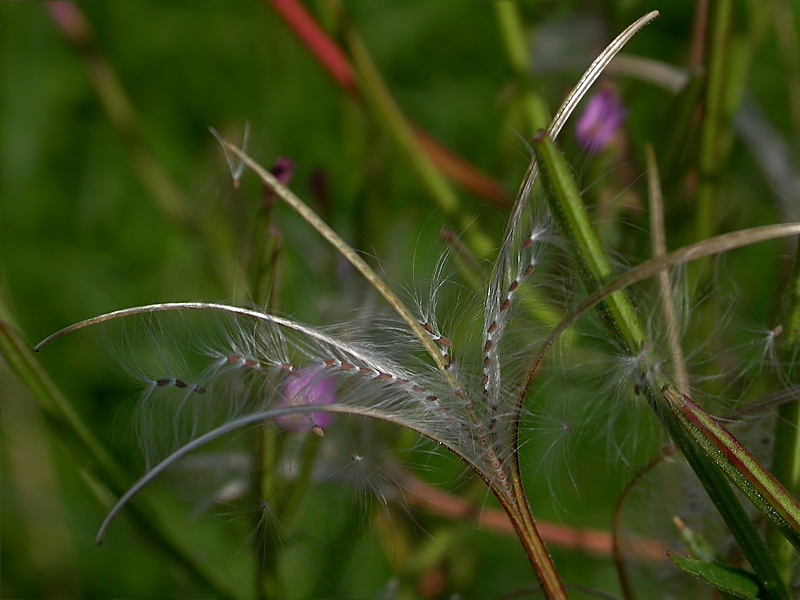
595 541
335 62
324 49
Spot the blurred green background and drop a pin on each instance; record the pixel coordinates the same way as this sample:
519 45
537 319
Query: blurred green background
115 194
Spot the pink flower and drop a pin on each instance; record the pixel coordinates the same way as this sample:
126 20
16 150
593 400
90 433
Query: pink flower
600 121
283 169
304 387
70 20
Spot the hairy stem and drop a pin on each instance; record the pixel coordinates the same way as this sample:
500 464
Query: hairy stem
624 325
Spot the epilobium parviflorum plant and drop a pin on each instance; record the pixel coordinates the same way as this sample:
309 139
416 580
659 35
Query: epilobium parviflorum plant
554 313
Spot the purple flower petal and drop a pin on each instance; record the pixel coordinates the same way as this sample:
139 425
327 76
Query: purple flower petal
305 387
600 121
283 169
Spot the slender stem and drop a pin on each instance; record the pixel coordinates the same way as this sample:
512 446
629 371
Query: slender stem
559 120
786 452
660 249
91 457
616 539
700 440
533 105
713 126
333 59
760 486
786 467
513 33
699 30
726 502
359 263
525 526
265 456
575 220
384 105
710 247
265 441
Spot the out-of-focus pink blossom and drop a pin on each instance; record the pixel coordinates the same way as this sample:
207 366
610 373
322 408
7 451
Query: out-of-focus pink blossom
600 121
306 387
283 169
69 19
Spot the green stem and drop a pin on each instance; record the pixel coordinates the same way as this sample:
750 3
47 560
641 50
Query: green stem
786 451
92 459
786 467
512 31
624 325
390 115
265 459
726 502
713 124
760 486
574 219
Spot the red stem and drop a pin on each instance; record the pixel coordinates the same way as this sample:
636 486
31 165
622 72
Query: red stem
335 62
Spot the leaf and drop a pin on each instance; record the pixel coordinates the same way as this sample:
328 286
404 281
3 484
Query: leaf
734 581
698 544
744 470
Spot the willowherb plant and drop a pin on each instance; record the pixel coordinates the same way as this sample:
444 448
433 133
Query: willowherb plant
299 377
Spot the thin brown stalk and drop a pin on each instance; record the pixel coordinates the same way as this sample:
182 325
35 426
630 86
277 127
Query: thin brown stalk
699 27
660 249
302 209
618 544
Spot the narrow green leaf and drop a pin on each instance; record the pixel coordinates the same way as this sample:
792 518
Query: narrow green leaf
697 544
392 118
737 582
58 412
745 470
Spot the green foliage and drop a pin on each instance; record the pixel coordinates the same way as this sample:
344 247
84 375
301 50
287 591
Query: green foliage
736 583
115 194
